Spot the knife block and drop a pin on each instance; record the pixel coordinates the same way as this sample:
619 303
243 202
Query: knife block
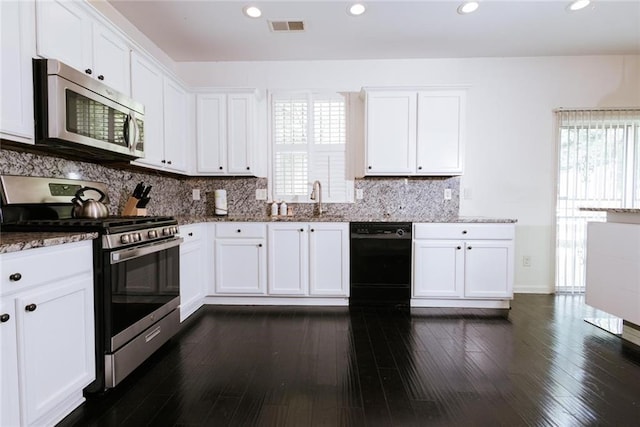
131 210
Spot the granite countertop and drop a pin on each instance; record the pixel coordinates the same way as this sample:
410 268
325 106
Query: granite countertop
187 219
19 241
614 210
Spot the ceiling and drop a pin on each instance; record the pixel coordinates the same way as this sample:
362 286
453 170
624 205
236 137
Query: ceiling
212 30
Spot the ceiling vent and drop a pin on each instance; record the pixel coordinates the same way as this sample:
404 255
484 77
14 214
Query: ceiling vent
286 26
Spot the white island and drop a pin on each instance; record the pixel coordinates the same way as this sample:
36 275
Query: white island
613 267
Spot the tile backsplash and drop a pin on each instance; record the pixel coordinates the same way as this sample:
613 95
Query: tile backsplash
173 195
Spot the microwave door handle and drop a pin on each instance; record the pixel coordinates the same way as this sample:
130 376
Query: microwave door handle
136 134
125 130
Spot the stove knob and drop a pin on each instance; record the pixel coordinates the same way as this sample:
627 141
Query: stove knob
139 236
124 239
165 231
175 230
153 234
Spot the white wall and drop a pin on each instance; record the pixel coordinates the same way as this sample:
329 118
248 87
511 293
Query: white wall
510 151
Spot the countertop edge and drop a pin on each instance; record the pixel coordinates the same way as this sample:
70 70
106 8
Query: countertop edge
19 241
186 220
614 210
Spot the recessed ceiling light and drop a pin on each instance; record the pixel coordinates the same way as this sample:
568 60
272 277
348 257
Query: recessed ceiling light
468 7
252 12
578 5
356 9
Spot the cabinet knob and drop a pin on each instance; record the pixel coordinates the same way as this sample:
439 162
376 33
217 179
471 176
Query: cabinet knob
163 161
190 234
100 77
419 168
369 167
469 247
88 71
15 277
302 229
169 161
220 168
4 318
312 230
248 168
238 230
31 307
259 245
464 231
459 247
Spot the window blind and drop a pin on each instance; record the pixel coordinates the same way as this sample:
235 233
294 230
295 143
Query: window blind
309 143
598 166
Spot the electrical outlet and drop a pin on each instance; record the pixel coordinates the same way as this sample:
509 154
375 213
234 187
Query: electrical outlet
447 194
526 261
359 194
261 194
195 193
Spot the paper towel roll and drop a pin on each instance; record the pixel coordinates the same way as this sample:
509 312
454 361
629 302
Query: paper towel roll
220 202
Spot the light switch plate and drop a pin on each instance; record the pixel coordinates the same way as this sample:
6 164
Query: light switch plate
195 193
261 194
447 194
359 194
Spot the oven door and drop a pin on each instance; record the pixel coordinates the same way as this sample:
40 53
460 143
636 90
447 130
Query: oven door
142 286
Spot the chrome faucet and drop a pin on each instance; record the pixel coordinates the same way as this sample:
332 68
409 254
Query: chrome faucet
316 194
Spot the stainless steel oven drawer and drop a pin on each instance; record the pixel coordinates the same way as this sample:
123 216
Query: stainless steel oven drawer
121 363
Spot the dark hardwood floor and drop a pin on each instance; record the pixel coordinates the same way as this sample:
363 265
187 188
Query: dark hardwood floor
295 366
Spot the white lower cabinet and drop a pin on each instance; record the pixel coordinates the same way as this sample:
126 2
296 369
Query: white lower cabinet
310 259
47 332
192 268
240 259
463 262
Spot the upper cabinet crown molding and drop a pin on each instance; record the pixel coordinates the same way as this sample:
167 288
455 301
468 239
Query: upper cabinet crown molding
414 131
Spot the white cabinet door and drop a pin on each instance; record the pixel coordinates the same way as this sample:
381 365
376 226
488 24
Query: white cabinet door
440 132
55 343
9 389
111 59
64 33
17 41
211 134
288 259
147 88
240 128
390 132
329 259
488 269
192 269
438 268
176 135
240 266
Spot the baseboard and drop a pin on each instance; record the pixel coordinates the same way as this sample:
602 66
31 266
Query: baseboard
532 290
302 301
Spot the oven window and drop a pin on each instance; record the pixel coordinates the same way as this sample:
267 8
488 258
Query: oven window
141 285
95 120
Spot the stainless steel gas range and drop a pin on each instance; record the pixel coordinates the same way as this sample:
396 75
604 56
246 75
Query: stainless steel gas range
136 270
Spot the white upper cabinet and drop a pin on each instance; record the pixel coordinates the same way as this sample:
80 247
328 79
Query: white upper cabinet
17 38
166 116
391 133
67 32
414 132
440 132
225 133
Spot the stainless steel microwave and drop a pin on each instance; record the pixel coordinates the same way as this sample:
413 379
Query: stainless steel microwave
80 116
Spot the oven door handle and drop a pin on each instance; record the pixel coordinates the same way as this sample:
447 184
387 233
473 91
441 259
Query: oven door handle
131 253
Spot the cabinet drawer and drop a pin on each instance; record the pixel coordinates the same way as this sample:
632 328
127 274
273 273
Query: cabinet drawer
241 230
192 232
44 265
463 231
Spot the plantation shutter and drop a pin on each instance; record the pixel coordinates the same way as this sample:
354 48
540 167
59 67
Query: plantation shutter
309 143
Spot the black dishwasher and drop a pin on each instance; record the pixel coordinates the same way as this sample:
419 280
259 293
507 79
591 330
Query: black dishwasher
380 263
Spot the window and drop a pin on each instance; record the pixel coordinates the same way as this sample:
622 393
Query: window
309 139
599 166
